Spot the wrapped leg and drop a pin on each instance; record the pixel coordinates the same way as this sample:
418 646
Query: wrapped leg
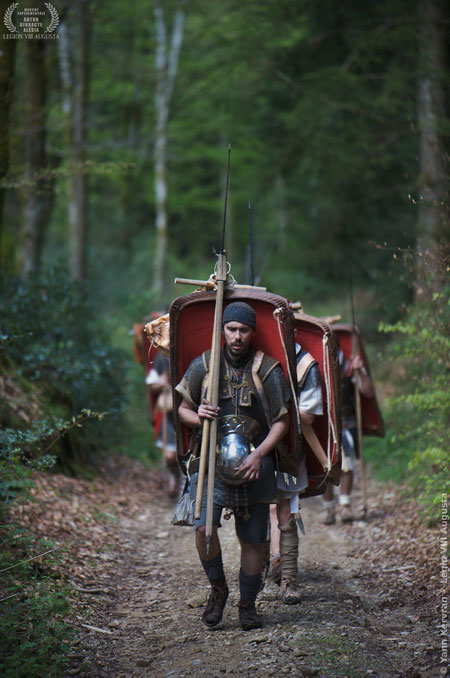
290 594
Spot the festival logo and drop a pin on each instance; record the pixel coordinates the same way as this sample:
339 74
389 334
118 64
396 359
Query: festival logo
31 23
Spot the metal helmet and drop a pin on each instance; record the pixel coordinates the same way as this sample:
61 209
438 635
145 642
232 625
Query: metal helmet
235 433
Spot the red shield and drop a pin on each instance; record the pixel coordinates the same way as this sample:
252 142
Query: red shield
191 326
316 337
372 421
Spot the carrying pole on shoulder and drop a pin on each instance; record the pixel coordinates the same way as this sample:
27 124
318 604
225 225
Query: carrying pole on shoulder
213 394
358 409
209 430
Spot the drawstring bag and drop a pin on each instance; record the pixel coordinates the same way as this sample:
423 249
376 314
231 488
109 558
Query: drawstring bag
184 508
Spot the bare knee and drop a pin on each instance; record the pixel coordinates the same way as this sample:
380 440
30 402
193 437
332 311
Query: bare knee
201 531
273 513
284 511
170 456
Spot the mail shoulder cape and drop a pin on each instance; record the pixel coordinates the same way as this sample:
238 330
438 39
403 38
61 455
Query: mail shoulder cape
193 387
239 395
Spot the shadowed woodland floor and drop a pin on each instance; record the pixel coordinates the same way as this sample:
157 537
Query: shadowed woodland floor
371 591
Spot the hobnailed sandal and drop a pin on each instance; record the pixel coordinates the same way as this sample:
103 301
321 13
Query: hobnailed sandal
290 595
346 514
330 517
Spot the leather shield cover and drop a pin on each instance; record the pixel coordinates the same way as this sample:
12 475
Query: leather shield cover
149 353
191 326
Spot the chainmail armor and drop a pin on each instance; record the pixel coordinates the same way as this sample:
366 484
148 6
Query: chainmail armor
238 394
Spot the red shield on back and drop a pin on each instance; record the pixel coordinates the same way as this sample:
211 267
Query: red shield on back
372 420
316 337
191 327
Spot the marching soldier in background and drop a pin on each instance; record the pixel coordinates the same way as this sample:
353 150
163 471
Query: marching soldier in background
365 386
284 515
159 400
160 392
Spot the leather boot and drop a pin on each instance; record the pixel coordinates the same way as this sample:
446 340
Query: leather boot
290 595
216 602
248 617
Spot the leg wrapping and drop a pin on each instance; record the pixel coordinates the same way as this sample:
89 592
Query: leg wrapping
289 551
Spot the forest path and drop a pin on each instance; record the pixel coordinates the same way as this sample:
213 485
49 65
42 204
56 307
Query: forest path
368 607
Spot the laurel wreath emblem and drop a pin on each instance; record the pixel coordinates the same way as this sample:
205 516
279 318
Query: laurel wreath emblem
7 18
54 15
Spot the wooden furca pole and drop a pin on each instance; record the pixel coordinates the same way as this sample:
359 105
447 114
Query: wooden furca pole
359 427
209 429
221 277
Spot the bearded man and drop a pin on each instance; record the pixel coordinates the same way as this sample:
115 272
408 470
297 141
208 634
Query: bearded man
251 384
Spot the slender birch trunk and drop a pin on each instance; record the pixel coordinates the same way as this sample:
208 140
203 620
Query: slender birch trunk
166 62
7 62
75 104
34 194
430 111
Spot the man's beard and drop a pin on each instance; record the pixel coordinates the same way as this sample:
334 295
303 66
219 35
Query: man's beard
238 360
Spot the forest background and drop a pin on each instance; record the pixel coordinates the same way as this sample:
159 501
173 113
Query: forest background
114 129
113 154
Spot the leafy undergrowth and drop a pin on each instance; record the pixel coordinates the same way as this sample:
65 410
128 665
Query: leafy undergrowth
72 522
34 631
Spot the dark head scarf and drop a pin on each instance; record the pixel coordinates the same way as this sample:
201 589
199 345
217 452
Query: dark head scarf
239 312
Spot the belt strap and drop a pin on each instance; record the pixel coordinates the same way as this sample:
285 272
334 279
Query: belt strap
303 365
257 360
315 444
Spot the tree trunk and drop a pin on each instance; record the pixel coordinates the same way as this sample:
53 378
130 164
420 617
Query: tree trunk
166 60
432 172
34 209
75 104
7 61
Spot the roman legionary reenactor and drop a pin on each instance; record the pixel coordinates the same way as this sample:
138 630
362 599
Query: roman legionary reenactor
360 416
252 413
159 401
318 408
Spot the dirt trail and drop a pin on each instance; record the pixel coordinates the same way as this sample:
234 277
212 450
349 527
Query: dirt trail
372 597
362 614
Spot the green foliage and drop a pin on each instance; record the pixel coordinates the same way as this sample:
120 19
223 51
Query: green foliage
52 333
60 377
141 444
34 633
421 412
319 106
22 451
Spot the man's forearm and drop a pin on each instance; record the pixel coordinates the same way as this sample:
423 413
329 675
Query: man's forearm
306 417
277 432
189 417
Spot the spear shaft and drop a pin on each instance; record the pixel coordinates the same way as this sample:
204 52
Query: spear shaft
250 227
358 409
209 430
226 201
